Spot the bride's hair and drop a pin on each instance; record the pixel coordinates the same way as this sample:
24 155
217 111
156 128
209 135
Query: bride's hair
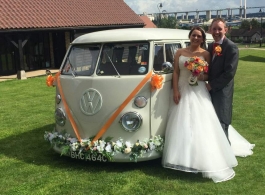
203 34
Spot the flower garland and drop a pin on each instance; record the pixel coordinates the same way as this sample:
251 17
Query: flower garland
105 147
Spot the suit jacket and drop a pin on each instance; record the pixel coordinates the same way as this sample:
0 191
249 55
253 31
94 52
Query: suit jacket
221 73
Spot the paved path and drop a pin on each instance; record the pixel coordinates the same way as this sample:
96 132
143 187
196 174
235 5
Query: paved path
28 74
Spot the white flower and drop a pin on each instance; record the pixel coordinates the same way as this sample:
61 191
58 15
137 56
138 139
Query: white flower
143 143
100 149
157 141
102 143
74 146
128 144
127 150
119 143
152 146
95 143
85 142
108 148
145 146
46 135
73 140
51 137
101 146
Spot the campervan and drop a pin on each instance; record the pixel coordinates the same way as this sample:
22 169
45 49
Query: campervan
113 93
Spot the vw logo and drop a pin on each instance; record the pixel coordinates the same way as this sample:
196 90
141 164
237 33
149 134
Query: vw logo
91 102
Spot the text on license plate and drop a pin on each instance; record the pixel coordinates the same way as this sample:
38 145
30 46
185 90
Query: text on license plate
89 157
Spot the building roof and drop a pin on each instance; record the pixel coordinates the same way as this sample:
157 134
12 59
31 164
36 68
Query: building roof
237 32
32 14
147 22
245 32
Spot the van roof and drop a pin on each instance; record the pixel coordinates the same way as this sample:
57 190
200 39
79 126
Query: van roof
135 34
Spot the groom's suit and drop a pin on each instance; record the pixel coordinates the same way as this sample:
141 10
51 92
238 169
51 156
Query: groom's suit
221 73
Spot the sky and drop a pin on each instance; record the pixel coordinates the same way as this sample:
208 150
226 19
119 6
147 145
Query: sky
151 6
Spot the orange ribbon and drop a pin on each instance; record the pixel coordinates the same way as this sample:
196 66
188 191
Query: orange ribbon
156 82
67 110
111 119
49 80
126 101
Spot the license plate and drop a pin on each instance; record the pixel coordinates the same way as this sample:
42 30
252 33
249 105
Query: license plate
90 157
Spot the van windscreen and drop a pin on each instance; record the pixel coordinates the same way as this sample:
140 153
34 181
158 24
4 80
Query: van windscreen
124 59
81 60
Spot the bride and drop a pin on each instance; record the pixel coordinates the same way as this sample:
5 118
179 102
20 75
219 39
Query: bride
195 141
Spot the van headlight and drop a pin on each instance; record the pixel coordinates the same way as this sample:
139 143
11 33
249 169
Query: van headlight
140 101
131 121
60 116
58 99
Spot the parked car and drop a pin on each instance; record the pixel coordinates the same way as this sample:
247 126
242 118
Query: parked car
112 94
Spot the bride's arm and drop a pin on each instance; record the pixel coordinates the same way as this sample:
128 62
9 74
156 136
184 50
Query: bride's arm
176 94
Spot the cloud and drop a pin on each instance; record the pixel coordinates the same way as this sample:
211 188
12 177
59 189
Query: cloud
150 6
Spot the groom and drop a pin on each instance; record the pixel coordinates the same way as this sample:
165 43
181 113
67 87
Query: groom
221 73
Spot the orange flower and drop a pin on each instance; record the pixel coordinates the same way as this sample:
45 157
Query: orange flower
200 61
190 66
205 69
218 50
156 82
200 68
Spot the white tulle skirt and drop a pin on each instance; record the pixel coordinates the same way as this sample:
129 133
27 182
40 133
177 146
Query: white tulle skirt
195 141
240 146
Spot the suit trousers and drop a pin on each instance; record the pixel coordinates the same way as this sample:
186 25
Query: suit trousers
225 128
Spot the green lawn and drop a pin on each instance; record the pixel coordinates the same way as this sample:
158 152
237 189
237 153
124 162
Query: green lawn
251 45
29 166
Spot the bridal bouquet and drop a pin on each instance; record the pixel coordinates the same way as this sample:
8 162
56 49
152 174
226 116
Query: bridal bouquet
197 66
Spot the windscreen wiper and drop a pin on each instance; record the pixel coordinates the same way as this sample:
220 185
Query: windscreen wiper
113 65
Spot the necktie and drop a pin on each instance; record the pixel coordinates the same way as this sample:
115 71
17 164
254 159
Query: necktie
214 45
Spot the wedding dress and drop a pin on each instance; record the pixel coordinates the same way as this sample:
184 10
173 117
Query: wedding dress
194 140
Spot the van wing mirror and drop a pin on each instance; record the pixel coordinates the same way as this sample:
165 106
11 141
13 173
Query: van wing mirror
167 67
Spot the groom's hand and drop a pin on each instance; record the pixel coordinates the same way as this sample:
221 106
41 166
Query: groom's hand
208 86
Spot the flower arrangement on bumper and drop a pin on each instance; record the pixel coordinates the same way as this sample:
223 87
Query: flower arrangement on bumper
105 147
197 66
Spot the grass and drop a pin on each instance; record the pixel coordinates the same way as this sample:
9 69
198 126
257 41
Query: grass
251 45
29 166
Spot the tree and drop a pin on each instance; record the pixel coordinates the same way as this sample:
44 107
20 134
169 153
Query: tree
254 23
263 24
245 24
167 22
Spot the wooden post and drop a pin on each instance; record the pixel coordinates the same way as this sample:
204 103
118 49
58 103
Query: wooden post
21 72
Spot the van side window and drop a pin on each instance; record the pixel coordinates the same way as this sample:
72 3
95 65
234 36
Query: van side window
187 44
81 60
164 53
124 59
